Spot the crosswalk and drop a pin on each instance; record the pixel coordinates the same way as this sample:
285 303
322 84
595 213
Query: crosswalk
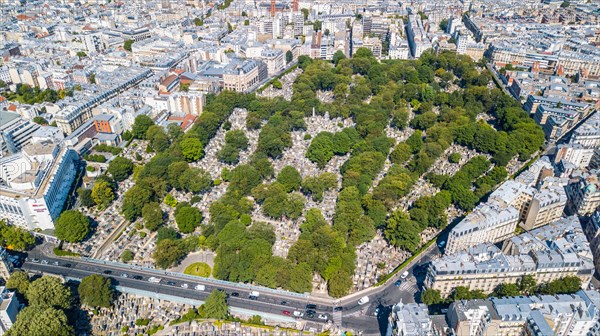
337 318
409 287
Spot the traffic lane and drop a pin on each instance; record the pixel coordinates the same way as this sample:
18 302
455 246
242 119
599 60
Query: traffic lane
266 303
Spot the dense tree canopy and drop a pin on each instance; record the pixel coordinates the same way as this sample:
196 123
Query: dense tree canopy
96 291
72 226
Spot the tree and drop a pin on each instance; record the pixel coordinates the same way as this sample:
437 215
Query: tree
153 216
402 232
567 285
168 252
289 56
289 178
431 297
157 138
127 44
134 200
127 256
72 226
15 238
198 22
120 168
85 197
401 153
166 232
192 149
215 305
35 321
507 289
415 141
48 291
565 4
320 150
188 218
304 13
19 281
40 121
339 284
338 56
140 126
454 158
81 54
96 291
444 24
527 284
102 194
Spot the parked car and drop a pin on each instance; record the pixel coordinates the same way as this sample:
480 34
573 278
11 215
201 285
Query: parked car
398 283
287 313
184 285
322 316
107 272
363 300
298 314
311 306
337 309
200 287
404 275
441 244
235 294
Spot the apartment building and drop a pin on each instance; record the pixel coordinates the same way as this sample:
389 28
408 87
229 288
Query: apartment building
592 231
547 253
186 103
35 183
417 37
15 132
583 192
410 319
9 308
532 200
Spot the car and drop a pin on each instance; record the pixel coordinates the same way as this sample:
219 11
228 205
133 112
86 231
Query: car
363 300
154 279
138 277
252 297
45 262
398 283
376 312
310 313
55 263
287 313
322 317
298 314
441 244
107 272
35 260
200 287
311 306
592 287
68 265
235 294
338 309
184 285
124 275
404 275
171 283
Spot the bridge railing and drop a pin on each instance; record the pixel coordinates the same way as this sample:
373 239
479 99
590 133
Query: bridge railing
197 278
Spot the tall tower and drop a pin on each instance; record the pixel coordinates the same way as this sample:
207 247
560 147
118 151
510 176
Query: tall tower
295 6
272 8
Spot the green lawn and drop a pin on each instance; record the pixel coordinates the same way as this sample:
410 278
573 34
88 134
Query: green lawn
199 269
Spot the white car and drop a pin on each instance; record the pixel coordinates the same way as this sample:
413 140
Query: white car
200 287
363 300
298 314
184 285
154 280
404 275
322 317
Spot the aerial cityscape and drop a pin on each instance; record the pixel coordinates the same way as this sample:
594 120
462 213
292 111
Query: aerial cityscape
295 167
